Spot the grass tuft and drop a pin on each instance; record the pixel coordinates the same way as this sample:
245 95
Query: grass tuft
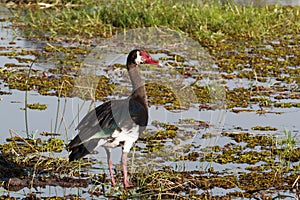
201 20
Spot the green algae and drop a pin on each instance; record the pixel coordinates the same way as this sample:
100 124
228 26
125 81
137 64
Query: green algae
36 106
172 183
231 56
11 65
159 94
24 146
5 93
166 131
250 149
169 183
194 122
292 156
251 140
54 85
66 49
264 128
286 105
237 60
70 65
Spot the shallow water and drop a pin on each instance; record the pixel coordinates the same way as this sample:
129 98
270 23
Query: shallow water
63 114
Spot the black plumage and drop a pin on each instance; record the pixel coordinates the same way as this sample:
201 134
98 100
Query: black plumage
103 121
115 123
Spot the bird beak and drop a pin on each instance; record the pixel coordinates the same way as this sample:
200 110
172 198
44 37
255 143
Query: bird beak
152 61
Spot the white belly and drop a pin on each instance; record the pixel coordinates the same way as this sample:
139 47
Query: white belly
128 137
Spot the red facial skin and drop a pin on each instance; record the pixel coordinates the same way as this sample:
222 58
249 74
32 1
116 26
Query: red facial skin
148 59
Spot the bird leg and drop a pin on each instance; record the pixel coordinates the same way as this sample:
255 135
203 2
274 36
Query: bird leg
109 161
124 165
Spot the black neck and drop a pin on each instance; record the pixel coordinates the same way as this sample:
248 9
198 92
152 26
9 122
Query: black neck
138 85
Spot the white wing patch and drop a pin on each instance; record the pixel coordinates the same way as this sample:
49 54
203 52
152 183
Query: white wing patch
126 136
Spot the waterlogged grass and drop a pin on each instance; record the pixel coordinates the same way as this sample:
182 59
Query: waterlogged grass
201 20
274 175
258 46
224 29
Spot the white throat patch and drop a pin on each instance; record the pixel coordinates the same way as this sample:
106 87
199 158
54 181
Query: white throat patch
138 59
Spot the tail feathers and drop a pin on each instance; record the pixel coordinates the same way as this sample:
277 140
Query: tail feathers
74 143
79 151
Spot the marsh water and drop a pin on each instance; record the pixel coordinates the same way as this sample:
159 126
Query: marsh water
64 113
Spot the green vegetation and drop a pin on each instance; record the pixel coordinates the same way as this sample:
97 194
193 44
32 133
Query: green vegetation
36 106
249 44
278 160
201 20
237 37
